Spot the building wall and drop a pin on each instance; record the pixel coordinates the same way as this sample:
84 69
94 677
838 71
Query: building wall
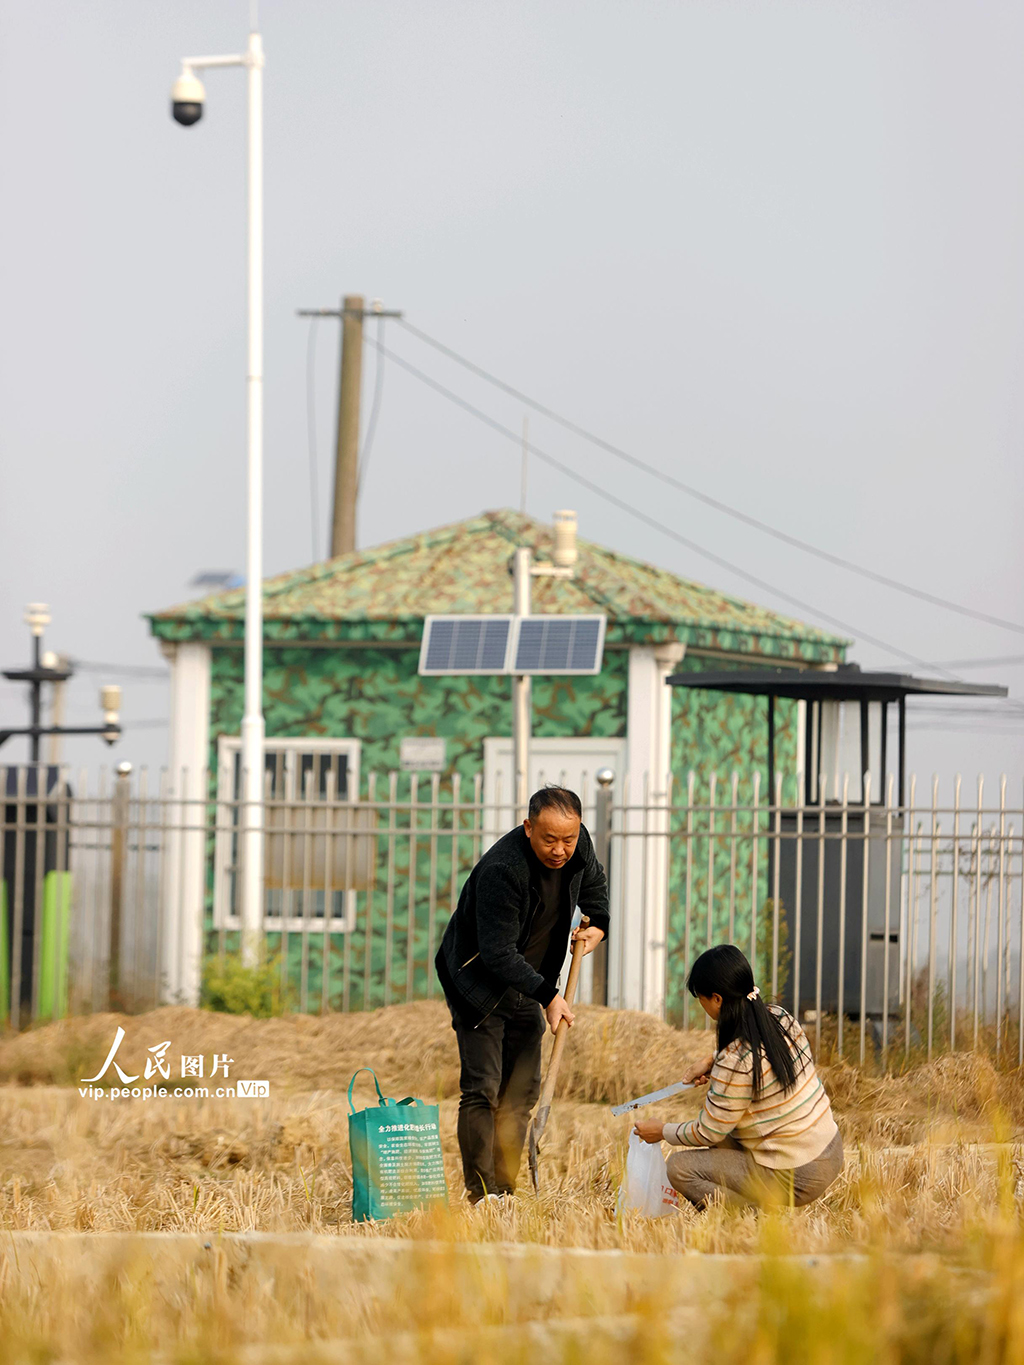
376 696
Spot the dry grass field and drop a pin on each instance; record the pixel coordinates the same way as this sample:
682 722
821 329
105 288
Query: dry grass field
916 1252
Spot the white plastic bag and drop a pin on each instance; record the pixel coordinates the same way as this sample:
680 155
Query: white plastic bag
646 1187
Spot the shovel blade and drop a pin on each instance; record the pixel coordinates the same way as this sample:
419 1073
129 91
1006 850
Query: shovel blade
537 1126
532 1155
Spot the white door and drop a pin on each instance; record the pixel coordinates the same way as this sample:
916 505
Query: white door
571 762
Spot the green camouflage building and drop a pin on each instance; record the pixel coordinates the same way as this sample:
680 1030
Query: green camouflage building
341 693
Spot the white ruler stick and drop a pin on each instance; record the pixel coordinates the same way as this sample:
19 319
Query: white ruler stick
669 1090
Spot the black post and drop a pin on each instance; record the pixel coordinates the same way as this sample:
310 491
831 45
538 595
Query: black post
37 701
903 748
119 813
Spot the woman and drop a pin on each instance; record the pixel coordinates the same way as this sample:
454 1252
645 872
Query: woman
765 1133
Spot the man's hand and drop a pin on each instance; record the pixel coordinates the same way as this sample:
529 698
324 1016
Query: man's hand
557 1011
648 1131
699 1073
590 938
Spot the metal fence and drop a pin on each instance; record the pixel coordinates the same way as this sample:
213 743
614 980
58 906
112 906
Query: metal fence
887 927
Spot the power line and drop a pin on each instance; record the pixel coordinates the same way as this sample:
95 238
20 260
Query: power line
1004 661
968 713
142 672
966 727
710 501
650 521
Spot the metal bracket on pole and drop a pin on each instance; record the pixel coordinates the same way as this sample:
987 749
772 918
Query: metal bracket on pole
521 692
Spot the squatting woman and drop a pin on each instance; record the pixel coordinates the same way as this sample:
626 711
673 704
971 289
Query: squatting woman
765 1134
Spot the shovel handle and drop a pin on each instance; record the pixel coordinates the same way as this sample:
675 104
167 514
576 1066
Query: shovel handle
547 1094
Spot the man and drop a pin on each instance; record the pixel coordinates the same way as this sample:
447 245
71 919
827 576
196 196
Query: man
499 963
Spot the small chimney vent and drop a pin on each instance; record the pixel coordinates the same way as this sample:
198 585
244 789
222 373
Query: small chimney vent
564 556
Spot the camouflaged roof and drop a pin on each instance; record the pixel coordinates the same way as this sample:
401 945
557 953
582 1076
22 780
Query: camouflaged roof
383 594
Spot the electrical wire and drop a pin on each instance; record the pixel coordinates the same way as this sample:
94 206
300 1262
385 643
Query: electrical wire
1004 661
967 706
943 725
652 521
141 672
710 501
371 426
314 496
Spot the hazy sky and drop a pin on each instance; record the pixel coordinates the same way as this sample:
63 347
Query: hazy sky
775 248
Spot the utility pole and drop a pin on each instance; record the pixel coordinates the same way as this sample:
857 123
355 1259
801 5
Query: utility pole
350 381
346 458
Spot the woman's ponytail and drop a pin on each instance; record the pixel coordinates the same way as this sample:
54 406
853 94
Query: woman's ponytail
725 971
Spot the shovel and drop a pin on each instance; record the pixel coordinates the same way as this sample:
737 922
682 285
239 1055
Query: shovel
540 1119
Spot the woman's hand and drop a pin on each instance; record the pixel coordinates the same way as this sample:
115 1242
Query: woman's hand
649 1131
699 1073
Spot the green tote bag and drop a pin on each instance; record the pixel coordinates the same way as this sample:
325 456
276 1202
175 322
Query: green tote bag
396 1156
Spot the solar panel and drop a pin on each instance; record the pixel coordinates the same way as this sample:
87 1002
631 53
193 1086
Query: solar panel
465 644
558 644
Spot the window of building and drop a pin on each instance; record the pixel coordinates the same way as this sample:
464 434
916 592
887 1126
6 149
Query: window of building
310 852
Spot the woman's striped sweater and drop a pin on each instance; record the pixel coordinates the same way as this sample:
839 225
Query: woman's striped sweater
781 1130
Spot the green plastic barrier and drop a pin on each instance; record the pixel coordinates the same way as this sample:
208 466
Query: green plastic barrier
53 949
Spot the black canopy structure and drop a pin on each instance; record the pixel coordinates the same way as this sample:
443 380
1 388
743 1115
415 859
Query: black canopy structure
815 868
840 683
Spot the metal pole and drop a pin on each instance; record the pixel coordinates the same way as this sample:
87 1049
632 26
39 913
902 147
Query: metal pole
602 847
346 466
252 721
57 700
118 838
37 699
521 694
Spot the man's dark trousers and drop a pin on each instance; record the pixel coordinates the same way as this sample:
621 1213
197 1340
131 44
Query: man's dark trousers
500 1083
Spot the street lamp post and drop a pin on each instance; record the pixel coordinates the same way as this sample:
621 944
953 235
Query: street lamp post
49 668
187 99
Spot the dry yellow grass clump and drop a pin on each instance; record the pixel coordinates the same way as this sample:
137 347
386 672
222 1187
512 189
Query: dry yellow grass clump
282 1164
925 1178
614 1054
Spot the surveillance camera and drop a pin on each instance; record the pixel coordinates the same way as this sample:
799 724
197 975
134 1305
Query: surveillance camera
187 96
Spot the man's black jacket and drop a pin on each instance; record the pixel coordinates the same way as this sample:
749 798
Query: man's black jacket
480 955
